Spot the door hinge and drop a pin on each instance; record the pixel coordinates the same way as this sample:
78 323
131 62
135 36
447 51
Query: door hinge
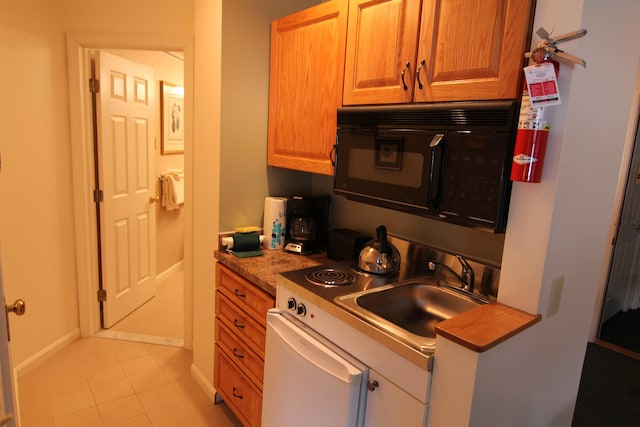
94 85
102 295
97 195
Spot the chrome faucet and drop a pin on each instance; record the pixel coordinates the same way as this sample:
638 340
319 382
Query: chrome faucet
466 278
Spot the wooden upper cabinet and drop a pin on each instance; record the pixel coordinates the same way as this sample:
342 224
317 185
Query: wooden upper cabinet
472 50
382 38
305 86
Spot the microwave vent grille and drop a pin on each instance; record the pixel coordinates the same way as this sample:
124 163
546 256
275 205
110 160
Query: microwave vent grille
450 116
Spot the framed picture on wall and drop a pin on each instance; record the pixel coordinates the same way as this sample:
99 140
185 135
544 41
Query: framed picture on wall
172 118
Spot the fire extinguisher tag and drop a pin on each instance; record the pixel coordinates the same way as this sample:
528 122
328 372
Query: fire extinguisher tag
542 84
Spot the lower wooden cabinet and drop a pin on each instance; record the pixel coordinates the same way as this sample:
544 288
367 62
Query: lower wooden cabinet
240 330
241 394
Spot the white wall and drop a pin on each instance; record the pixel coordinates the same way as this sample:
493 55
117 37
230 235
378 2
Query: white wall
204 161
36 222
245 180
37 216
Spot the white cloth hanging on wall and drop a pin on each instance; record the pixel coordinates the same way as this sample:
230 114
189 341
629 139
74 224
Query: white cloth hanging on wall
172 189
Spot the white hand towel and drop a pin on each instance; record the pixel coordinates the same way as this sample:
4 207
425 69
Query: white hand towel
172 189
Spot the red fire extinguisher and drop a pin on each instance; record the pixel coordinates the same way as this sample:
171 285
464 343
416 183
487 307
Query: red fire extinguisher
531 138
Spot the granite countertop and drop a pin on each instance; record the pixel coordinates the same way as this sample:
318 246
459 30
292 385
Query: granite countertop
262 270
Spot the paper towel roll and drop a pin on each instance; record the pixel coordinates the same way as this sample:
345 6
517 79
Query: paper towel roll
275 222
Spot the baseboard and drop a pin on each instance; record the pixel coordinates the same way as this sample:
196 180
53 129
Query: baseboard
179 266
618 349
44 354
201 380
149 339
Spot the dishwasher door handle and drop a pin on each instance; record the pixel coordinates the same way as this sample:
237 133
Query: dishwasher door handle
311 349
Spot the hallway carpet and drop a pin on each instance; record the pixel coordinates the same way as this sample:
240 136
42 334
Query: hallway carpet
623 330
609 393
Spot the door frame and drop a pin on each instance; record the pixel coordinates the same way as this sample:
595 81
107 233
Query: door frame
82 156
627 155
8 373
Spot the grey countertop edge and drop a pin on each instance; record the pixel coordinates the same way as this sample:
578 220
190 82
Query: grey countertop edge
262 270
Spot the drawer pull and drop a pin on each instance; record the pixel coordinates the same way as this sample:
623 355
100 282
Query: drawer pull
239 294
238 324
406 67
239 396
238 355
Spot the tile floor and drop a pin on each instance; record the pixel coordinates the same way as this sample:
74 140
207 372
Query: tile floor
161 316
96 381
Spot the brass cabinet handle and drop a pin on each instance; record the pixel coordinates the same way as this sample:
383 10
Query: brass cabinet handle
238 354
238 324
239 294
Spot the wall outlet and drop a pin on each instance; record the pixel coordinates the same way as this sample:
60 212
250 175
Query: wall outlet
557 283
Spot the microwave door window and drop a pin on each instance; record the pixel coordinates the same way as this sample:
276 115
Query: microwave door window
392 169
388 168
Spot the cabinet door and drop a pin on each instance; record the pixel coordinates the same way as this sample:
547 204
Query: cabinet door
381 40
472 50
305 86
242 396
389 405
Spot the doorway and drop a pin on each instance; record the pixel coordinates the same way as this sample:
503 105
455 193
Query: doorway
140 235
620 318
87 257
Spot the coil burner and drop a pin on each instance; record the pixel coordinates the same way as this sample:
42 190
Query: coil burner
329 277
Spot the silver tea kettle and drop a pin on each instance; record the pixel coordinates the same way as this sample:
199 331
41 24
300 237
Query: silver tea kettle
379 256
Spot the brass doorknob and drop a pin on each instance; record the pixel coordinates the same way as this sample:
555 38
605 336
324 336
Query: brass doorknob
154 199
18 307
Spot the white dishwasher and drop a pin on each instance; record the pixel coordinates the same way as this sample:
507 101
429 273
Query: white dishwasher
302 367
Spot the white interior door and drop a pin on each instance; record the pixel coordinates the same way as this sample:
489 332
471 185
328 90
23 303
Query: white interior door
126 152
8 407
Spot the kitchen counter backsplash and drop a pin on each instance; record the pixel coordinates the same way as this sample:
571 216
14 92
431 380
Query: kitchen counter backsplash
262 270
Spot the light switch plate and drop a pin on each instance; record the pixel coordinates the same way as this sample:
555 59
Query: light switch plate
557 284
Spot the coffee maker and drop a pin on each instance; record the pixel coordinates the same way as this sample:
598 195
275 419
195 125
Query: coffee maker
307 224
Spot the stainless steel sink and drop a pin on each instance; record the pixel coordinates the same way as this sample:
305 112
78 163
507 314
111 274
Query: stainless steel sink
409 311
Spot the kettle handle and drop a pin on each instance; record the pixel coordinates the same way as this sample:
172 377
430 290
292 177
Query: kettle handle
381 235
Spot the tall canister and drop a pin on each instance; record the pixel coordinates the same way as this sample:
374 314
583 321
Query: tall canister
275 222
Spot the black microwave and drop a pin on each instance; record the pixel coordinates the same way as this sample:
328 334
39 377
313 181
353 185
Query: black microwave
446 161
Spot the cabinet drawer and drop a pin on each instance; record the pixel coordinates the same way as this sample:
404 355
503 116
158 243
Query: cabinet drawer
245 294
246 359
242 396
244 326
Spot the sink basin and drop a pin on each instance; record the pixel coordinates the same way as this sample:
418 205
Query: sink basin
409 311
